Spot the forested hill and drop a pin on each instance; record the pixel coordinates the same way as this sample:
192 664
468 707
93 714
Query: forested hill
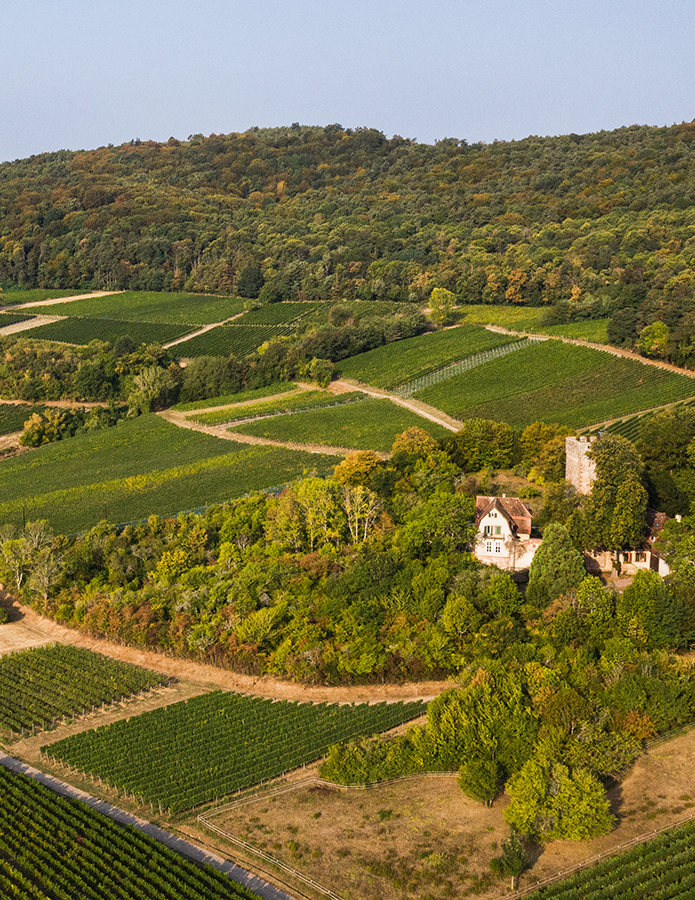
599 224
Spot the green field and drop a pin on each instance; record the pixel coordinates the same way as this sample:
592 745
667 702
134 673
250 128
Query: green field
53 848
516 318
149 306
130 471
402 361
35 295
187 753
46 684
661 868
278 313
76 330
556 382
12 318
13 416
281 387
294 403
595 330
226 340
364 425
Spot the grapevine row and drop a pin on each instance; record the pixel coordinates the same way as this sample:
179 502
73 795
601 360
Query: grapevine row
198 750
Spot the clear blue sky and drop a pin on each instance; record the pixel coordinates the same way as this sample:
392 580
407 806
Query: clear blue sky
83 73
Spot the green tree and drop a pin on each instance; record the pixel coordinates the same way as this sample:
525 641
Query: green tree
549 802
614 512
512 862
649 613
556 568
442 303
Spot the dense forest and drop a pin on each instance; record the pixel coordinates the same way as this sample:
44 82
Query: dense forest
596 225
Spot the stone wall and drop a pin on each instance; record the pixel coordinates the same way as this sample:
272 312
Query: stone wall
579 469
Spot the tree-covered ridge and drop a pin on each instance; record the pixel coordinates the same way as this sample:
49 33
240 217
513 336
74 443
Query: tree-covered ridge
598 224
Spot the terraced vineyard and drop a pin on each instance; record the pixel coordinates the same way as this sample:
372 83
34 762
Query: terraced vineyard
45 684
295 403
556 382
660 869
13 416
402 361
53 848
76 483
226 340
149 306
362 425
75 330
187 753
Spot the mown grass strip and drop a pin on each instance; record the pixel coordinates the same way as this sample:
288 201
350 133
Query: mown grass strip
292 404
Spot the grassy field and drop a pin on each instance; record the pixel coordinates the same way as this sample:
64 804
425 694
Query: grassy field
297 402
556 382
226 340
184 754
7 318
149 306
13 417
281 387
595 330
516 318
365 425
143 466
402 361
11 298
74 330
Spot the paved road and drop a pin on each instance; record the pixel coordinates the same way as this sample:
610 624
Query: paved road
185 848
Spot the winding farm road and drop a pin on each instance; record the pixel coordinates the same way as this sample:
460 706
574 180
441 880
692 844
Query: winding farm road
55 300
185 848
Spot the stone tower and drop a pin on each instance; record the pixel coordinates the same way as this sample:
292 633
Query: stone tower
579 469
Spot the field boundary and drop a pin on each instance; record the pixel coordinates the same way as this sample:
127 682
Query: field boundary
184 847
471 362
54 301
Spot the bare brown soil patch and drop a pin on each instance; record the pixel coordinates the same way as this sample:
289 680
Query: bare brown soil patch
421 837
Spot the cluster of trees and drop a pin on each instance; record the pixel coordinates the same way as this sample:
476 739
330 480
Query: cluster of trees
58 424
589 225
368 575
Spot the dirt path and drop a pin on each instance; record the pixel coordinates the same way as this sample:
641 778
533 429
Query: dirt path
606 348
185 848
30 629
55 300
424 410
28 324
203 330
57 404
177 418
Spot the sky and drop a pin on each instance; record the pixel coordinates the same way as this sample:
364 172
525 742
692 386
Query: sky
79 74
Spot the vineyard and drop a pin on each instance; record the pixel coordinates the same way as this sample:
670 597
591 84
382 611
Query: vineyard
295 403
35 295
73 330
278 313
53 848
402 361
556 382
74 484
281 387
148 306
185 754
46 684
362 425
13 318
661 869
13 417
228 340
